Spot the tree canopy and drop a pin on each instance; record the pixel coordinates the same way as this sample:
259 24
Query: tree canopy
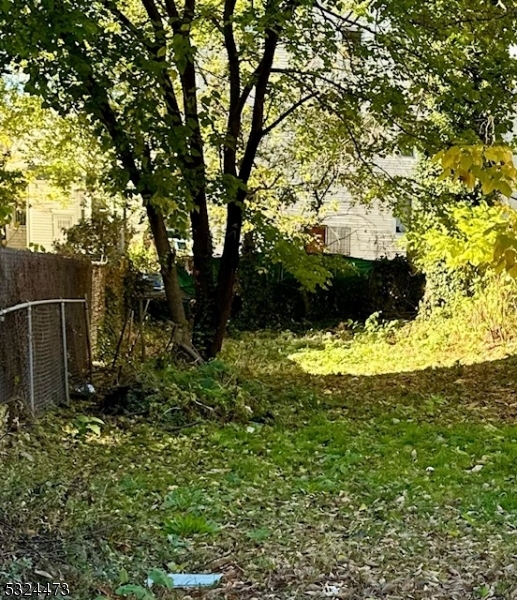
37 144
207 103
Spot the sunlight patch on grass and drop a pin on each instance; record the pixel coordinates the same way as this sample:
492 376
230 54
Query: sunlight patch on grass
405 351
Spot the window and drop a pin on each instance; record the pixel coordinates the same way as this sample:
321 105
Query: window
319 235
61 223
407 152
20 217
338 240
400 228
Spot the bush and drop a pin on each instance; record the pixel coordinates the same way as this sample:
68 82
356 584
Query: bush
268 297
167 393
395 288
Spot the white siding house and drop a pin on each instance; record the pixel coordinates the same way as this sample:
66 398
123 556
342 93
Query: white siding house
44 219
353 229
373 231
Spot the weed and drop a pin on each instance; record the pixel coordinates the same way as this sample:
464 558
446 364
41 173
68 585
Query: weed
189 524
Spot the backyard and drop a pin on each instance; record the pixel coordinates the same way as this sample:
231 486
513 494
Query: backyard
400 484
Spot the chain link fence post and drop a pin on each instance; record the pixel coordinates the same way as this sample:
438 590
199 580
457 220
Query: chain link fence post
31 359
65 352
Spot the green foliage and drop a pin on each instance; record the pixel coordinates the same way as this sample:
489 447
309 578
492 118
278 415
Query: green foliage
464 235
158 577
188 525
169 393
461 331
116 304
143 256
36 144
268 296
85 425
183 499
395 288
97 237
135 591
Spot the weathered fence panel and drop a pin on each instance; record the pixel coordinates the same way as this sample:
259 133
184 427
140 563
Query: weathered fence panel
44 328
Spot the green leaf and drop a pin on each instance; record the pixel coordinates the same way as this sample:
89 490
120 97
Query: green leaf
161 52
504 188
94 428
160 577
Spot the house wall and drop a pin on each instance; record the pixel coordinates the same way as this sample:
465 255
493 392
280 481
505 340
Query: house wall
372 229
47 216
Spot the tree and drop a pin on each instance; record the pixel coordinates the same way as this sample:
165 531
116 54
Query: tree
38 144
98 237
186 96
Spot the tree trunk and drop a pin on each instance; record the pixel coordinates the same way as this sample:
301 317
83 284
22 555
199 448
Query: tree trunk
204 318
166 256
227 274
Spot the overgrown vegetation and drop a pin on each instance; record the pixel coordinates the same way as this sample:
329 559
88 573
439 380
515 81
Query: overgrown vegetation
184 396
389 482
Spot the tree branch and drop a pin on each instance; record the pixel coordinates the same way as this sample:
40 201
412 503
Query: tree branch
173 13
289 111
169 95
155 16
234 114
129 25
272 36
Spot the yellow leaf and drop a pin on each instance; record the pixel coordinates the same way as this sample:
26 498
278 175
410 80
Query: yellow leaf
492 154
488 186
469 179
504 188
465 161
451 157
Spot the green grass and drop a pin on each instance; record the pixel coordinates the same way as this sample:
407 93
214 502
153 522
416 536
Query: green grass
392 481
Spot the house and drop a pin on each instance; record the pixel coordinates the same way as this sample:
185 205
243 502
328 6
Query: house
346 226
44 218
368 232
353 229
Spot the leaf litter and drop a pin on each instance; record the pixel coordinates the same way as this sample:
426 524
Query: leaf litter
398 486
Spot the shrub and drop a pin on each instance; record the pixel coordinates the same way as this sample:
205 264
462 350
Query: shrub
166 392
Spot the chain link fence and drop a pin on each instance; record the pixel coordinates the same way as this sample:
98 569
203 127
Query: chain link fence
45 349
44 352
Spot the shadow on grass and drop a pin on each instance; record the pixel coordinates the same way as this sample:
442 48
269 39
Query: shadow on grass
482 392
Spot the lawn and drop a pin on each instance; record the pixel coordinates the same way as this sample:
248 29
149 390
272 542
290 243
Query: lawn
383 484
